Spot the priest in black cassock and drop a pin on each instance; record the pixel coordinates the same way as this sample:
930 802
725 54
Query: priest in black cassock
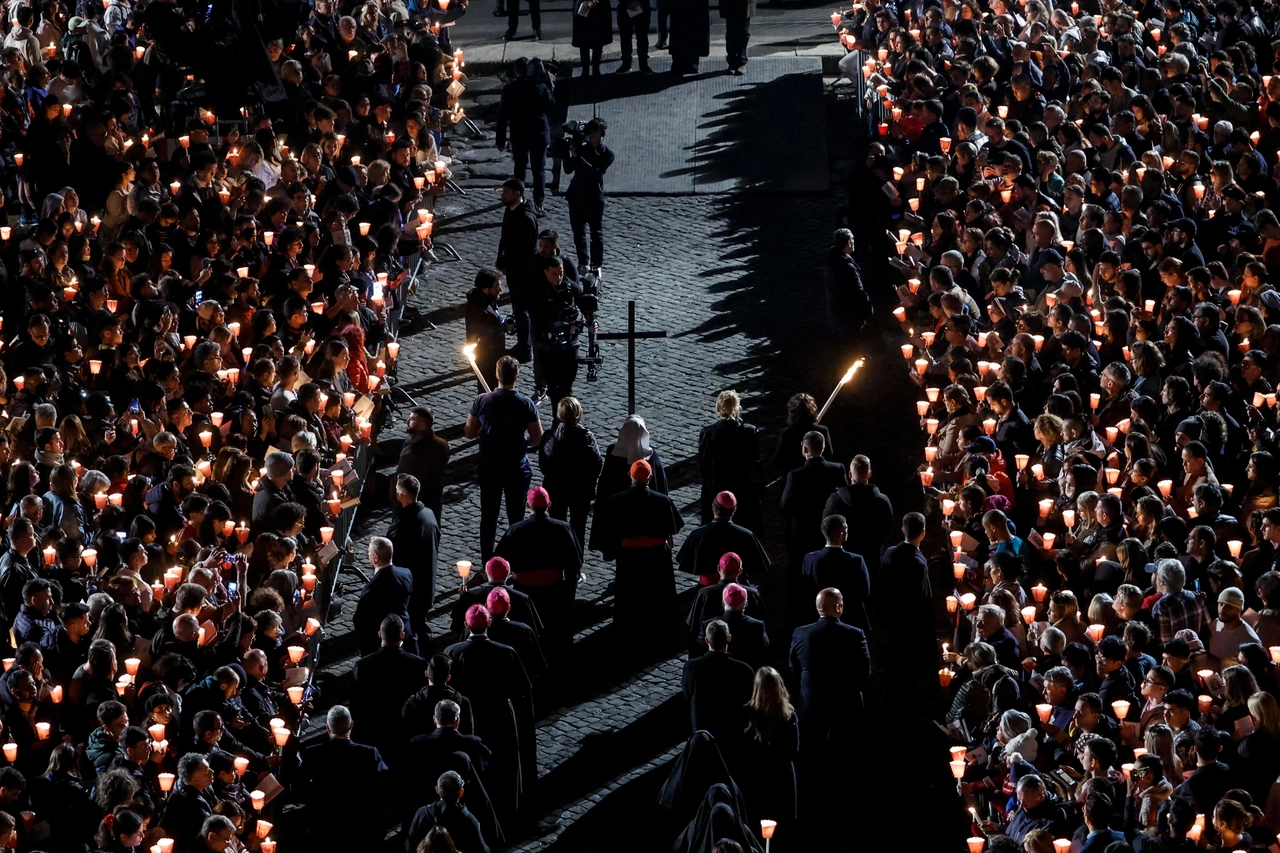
546 559
491 676
702 549
709 602
497 571
635 529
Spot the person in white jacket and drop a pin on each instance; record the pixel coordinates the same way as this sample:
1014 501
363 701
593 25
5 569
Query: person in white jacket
21 38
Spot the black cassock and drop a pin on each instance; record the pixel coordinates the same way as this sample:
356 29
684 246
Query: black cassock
492 677
635 530
702 549
709 604
546 560
690 33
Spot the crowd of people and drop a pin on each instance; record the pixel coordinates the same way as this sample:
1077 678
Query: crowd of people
1080 203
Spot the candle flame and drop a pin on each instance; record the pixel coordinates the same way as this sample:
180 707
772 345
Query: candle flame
848 374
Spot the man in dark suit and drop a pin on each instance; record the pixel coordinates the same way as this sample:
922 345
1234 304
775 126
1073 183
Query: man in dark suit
835 568
834 667
804 496
363 778
492 677
450 813
524 106
387 592
517 245
864 501
904 586
708 604
1098 834
749 641
433 753
415 536
718 688
383 681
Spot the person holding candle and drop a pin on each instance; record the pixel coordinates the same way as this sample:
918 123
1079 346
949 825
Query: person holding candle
190 803
271 491
497 575
1211 777
1176 608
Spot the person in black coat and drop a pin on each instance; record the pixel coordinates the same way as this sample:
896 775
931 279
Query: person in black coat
737 32
516 247
517 635
491 675
524 106
190 802
729 459
384 680
591 32
546 558
431 754
708 603
633 17
862 500
848 306
448 812
634 528
834 567
497 571
425 454
485 328
387 592
415 536
67 647
801 411
364 779
570 461
704 548
804 496
419 709
833 665
748 639
904 587
718 688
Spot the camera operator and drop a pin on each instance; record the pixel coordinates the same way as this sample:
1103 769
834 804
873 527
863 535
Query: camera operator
589 159
557 323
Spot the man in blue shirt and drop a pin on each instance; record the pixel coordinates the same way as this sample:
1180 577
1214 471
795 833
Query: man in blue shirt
507 424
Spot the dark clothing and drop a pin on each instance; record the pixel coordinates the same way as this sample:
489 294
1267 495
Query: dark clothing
869 515
834 667
546 560
61 656
708 604
904 581
524 106
431 754
388 591
702 549
633 18
184 814
495 681
749 641
415 540
516 248
570 461
384 681
595 28
15 571
419 710
1206 785
737 32
803 499
718 688
848 306
504 469
586 200
425 456
634 528
486 329
729 459
835 567
364 778
463 827
513 15
690 34
164 508
522 607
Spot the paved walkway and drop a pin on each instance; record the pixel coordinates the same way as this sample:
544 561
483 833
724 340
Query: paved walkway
736 281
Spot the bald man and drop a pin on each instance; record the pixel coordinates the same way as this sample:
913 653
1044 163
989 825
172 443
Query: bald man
833 665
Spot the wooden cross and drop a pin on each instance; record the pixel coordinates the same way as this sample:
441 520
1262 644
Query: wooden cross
630 336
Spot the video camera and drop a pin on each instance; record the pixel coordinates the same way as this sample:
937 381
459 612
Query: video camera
589 302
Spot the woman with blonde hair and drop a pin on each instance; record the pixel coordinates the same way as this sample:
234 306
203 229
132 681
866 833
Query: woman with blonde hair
1038 841
1064 614
772 741
729 456
1258 754
1159 742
